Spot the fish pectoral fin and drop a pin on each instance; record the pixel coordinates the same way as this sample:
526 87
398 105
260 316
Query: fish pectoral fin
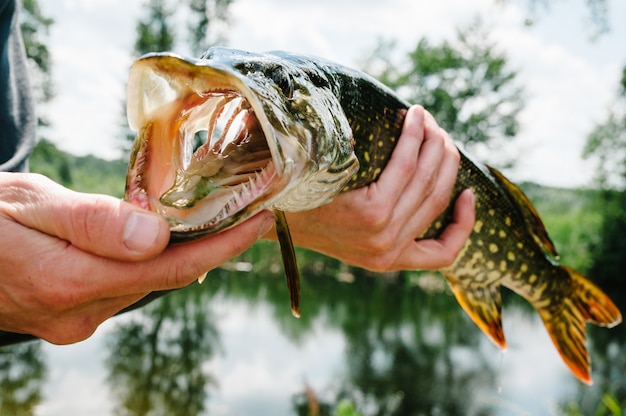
483 304
566 322
526 210
289 261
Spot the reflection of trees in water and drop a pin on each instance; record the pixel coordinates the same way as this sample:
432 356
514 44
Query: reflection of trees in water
156 359
408 351
22 373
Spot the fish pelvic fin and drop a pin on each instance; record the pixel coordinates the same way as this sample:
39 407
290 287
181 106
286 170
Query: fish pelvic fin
566 325
289 261
483 304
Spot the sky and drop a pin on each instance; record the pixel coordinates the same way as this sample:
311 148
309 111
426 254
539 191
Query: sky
570 80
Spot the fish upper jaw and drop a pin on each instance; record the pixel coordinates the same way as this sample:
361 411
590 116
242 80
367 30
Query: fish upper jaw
217 143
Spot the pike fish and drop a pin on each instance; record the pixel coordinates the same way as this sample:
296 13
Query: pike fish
225 136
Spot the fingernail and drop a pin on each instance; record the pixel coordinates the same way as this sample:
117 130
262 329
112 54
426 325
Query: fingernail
141 231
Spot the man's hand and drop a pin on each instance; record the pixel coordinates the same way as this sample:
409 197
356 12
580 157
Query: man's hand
376 226
69 261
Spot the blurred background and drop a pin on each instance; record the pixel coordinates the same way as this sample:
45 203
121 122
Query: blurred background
536 88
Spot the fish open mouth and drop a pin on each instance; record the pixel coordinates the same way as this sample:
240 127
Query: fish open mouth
202 160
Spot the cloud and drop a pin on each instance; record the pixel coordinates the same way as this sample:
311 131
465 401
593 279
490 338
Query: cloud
570 81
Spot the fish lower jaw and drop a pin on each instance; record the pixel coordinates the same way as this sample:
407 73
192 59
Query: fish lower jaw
228 207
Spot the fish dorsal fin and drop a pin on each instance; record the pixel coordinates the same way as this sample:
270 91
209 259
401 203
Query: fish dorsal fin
289 261
526 210
483 303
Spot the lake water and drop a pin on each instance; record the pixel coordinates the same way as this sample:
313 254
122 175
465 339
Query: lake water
366 345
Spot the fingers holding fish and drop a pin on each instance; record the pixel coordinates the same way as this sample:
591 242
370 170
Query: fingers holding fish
376 226
428 192
402 166
97 224
441 252
56 283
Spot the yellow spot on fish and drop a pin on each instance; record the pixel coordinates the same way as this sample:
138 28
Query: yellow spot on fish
520 245
371 138
366 156
493 275
493 248
491 264
478 225
510 255
492 231
532 279
377 172
503 266
507 221
381 143
502 234
524 268
480 243
492 212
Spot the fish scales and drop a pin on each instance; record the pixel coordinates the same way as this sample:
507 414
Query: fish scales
309 129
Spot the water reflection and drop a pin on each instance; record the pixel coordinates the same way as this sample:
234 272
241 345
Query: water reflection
22 372
156 359
366 344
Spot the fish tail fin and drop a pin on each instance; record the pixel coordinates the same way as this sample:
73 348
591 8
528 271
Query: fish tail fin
566 326
483 304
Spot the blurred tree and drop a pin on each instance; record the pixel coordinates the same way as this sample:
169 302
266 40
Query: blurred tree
22 374
157 360
154 31
607 144
465 84
208 24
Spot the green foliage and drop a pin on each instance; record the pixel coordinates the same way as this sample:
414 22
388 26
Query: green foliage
607 145
572 219
464 83
154 32
81 173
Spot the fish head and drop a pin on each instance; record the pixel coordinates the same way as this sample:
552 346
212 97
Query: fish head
225 136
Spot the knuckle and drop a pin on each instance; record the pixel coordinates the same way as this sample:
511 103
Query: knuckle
86 220
382 263
446 259
69 330
427 177
381 244
375 216
406 165
440 201
181 275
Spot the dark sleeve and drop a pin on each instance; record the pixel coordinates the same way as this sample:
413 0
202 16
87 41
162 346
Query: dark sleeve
17 115
17 118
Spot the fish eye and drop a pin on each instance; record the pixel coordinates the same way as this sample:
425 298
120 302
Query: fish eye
283 81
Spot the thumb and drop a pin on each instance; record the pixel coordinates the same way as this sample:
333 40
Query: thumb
99 224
